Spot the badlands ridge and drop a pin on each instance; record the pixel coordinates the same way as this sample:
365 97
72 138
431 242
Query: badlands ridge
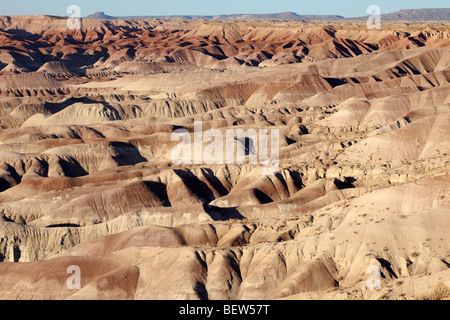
86 176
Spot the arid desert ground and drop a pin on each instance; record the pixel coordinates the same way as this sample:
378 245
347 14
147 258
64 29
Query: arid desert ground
87 177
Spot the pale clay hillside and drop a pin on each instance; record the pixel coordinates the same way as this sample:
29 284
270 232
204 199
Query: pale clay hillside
87 178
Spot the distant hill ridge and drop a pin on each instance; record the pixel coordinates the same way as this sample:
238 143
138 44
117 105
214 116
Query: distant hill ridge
402 15
419 15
